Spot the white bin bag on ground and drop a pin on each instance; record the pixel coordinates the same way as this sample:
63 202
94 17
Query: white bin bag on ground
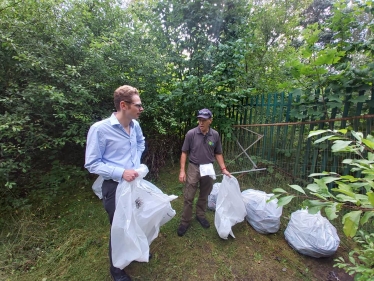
263 217
230 208
141 208
311 234
212 197
96 187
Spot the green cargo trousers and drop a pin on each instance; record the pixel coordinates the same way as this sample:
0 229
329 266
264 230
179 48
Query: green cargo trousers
193 182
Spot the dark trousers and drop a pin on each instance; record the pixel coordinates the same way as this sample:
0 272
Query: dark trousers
109 201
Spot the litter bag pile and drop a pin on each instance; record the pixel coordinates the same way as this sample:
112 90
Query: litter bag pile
141 208
230 208
311 234
263 216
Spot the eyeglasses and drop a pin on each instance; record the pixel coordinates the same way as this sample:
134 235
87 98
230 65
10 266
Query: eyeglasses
138 105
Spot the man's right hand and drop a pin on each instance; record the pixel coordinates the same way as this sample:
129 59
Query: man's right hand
130 175
182 177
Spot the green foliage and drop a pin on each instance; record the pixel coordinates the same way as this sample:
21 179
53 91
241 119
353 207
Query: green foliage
332 71
61 61
349 192
353 194
59 70
267 33
360 262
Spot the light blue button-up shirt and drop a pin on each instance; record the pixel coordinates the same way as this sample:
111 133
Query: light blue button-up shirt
110 149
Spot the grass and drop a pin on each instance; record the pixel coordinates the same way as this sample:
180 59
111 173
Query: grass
69 239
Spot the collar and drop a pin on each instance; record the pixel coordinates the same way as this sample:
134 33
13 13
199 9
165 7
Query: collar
200 132
114 121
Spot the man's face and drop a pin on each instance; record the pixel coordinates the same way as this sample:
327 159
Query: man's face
135 108
204 124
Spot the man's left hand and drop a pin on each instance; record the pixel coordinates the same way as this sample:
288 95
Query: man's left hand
227 173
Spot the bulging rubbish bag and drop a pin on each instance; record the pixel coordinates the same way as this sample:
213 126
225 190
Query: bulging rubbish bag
212 197
230 208
141 208
311 234
96 187
263 216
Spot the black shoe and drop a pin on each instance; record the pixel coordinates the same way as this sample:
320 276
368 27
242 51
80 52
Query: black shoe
122 277
182 229
150 256
204 223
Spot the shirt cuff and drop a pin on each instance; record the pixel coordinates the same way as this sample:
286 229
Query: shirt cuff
117 174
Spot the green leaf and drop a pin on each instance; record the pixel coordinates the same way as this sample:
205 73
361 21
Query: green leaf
313 187
318 132
365 218
340 145
371 198
285 200
314 210
273 197
322 174
344 191
320 196
313 203
342 131
358 135
370 154
351 221
329 179
323 139
279 190
298 188
344 198
331 211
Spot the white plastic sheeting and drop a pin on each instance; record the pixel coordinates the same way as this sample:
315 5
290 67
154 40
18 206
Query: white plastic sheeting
311 234
263 216
230 208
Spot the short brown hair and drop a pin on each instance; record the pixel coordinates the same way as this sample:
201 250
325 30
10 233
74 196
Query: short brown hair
124 93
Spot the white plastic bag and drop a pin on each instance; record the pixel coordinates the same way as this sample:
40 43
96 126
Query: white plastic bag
212 197
311 234
141 208
230 208
96 187
263 217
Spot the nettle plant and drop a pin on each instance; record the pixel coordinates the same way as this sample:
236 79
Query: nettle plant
352 193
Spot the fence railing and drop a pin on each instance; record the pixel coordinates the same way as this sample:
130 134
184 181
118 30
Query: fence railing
284 142
277 150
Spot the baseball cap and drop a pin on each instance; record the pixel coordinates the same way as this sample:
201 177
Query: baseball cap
204 113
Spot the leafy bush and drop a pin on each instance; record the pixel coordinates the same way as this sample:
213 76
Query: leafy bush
361 260
353 194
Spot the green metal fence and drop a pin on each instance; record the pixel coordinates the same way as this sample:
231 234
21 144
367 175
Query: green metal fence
270 149
284 142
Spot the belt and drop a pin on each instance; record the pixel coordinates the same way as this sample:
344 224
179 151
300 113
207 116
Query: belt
195 163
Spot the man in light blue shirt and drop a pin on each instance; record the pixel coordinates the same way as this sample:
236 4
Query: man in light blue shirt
114 148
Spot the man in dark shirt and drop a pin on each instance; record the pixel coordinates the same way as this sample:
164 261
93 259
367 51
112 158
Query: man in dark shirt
203 146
